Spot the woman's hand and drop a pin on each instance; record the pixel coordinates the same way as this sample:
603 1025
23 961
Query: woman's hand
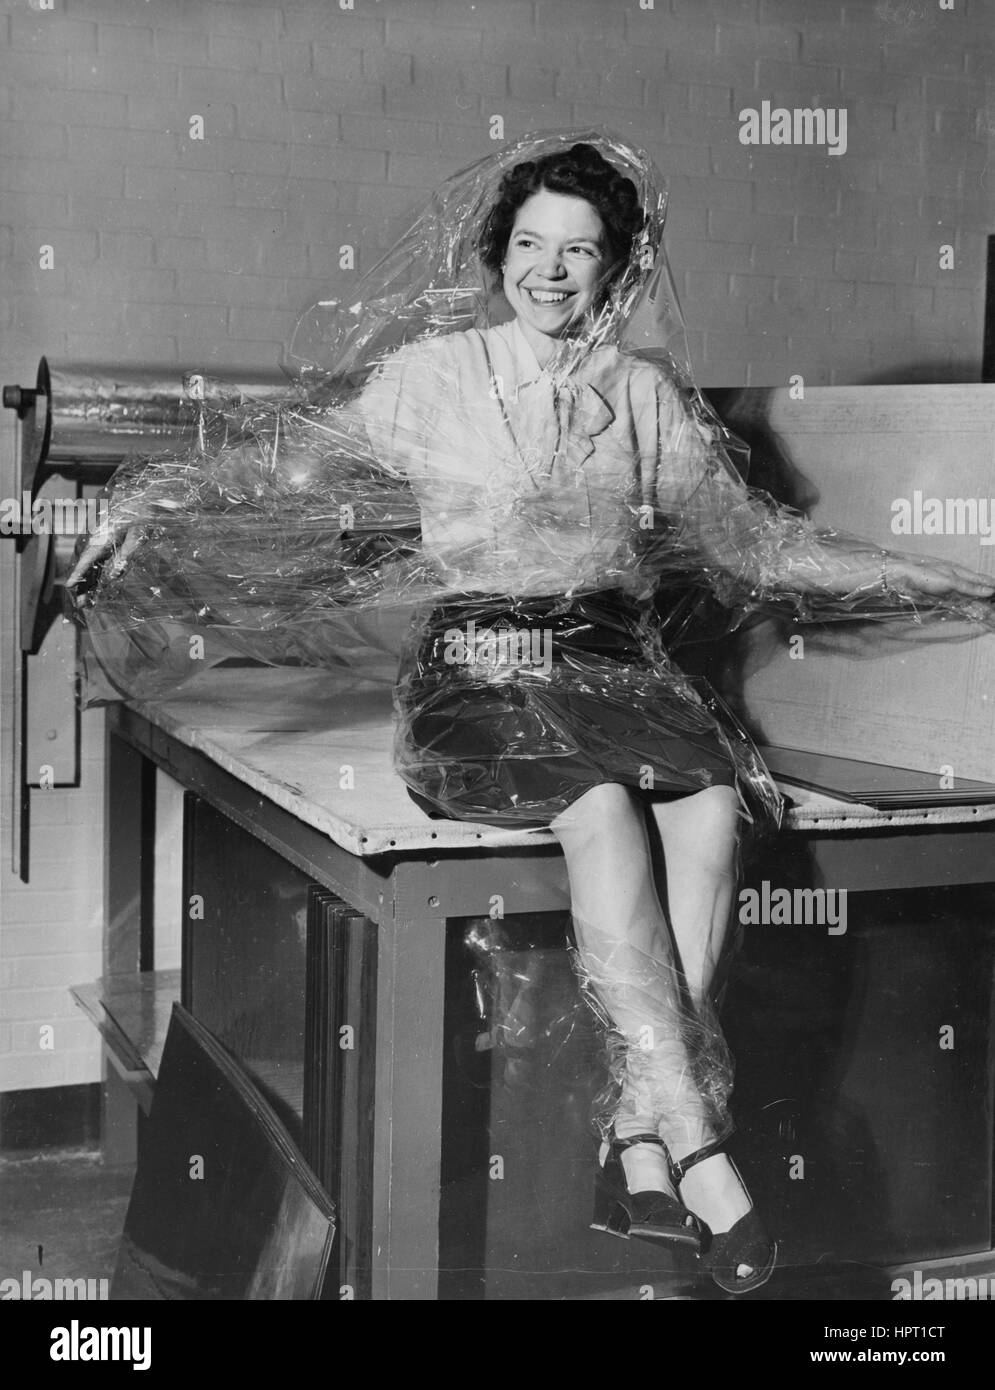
121 537
935 578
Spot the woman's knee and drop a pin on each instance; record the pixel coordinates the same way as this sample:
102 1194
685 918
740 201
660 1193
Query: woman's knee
596 815
705 826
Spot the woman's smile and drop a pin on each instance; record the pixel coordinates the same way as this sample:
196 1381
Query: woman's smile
548 296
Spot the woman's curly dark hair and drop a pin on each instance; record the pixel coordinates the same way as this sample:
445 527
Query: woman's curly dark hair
579 172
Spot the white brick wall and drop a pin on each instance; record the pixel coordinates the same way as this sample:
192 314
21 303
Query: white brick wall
324 125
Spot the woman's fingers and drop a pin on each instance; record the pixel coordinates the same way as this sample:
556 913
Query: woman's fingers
940 577
131 538
973 583
979 588
93 551
101 544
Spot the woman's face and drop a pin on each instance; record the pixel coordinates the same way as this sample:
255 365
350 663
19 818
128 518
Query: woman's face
554 263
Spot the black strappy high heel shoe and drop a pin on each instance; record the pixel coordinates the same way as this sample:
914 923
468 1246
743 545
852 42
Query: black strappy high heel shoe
652 1215
745 1243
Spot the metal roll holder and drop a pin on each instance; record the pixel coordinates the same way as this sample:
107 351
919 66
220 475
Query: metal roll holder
73 429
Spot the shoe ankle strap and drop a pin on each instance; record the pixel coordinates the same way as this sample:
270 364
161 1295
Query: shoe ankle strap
678 1167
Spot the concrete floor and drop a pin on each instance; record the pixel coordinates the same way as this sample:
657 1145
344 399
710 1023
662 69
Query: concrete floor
61 1215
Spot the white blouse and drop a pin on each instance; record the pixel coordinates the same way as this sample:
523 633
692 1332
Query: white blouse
529 482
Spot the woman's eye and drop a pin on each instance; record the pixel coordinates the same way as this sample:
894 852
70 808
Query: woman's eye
584 250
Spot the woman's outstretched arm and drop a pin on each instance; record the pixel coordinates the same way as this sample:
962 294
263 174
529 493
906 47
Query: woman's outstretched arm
757 553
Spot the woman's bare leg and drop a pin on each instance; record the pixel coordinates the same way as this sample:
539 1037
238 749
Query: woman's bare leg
626 949
700 841
700 838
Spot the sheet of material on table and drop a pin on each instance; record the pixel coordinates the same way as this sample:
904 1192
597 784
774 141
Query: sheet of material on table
132 1014
281 732
921 704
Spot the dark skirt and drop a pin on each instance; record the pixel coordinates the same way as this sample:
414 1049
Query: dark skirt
511 709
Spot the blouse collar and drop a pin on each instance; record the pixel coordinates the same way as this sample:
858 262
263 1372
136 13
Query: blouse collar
524 355
560 370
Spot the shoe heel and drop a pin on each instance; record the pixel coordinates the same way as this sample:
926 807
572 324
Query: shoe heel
609 1214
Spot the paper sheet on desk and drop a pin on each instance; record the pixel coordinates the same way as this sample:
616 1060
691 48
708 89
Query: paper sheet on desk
873 784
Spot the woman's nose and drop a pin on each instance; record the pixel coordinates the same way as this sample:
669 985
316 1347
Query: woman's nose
551 265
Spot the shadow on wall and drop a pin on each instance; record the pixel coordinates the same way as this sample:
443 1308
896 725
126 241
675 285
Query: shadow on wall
746 411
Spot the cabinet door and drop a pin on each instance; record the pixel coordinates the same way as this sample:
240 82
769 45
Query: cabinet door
245 953
341 1043
283 973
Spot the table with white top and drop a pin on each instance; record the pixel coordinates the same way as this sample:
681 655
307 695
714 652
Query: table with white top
308 777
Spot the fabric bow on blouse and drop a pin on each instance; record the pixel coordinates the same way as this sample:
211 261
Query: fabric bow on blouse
554 425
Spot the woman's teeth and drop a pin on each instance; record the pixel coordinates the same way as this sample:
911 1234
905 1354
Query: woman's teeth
548 296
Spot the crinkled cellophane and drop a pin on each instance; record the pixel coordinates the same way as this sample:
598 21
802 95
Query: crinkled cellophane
420 467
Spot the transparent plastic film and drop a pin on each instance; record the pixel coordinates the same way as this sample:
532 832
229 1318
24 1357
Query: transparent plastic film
288 520
436 280
669 1069
664 1066
247 547
504 412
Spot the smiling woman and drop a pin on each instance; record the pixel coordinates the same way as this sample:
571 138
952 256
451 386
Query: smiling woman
607 734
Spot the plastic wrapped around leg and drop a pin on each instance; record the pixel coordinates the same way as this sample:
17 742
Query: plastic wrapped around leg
666 1068
671 1071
